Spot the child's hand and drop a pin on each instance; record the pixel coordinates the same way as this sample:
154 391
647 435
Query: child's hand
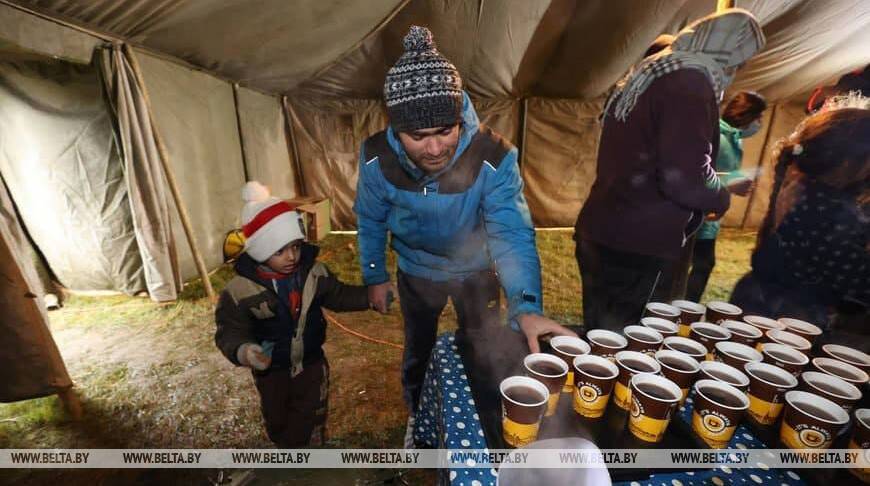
252 356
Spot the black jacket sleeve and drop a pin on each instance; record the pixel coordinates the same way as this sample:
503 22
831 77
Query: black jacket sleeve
234 327
341 297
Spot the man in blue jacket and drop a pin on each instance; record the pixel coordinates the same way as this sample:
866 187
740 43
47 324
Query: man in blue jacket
449 191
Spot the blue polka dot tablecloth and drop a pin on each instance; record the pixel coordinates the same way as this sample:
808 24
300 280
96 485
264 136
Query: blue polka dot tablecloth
447 419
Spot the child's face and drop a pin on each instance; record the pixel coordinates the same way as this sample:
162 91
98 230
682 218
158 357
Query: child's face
286 259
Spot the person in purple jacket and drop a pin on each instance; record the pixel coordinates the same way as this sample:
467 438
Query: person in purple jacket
655 183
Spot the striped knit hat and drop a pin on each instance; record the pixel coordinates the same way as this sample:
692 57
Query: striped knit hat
268 223
423 89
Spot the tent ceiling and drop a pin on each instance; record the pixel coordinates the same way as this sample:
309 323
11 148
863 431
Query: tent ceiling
504 48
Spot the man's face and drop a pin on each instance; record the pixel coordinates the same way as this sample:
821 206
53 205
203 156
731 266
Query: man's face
431 149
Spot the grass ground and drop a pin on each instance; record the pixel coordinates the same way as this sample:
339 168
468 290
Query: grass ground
149 375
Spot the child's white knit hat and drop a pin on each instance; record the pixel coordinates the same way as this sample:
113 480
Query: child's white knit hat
268 223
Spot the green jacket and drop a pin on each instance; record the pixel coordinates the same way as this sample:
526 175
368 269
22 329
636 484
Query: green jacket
728 160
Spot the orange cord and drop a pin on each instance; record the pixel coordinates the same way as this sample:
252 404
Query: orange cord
358 334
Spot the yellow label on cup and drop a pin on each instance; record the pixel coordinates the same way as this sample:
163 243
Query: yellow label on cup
589 402
517 434
685 395
647 428
710 357
758 347
804 437
551 405
714 429
568 387
684 330
622 396
762 411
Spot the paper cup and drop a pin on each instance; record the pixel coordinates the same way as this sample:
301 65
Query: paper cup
665 327
689 312
743 333
831 387
718 311
785 357
849 355
685 345
735 354
715 370
861 442
718 409
804 329
653 401
523 403
594 378
708 335
664 311
680 368
763 324
606 343
789 339
852 374
810 421
630 363
549 370
768 385
642 339
568 348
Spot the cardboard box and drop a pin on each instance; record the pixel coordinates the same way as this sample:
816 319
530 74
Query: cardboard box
316 213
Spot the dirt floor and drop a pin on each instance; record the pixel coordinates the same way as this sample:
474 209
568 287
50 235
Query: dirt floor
150 376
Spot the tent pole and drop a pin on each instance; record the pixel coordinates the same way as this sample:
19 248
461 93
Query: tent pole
170 178
239 128
753 195
521 138
300 178
71 403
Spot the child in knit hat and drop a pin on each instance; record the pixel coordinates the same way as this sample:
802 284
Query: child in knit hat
269 318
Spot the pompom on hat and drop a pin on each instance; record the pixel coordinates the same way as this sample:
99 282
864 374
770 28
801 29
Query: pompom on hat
268 223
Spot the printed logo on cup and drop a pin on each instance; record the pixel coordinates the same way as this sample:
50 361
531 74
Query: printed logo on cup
594 377
718 410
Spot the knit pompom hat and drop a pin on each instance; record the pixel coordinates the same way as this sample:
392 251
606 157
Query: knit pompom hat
268 223
422 89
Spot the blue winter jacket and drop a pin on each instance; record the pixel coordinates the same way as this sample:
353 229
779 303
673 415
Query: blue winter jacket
444 236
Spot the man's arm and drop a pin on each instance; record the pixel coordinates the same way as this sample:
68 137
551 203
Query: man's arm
372 210
685 144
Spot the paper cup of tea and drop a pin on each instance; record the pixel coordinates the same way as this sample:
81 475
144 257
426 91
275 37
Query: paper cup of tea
643 339
606 343
689 312
804 329
630 363
662 310
665 327
810 421
549 370
594 378
680 368
685 345
786 357
715 370
743 333
735 354
523 403
849 355
852 374
831 387
763 324
789 339
718 311
708 335
653 401
768 385
860 442
568 348
718 409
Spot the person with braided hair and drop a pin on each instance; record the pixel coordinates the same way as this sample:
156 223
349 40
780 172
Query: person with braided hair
812 258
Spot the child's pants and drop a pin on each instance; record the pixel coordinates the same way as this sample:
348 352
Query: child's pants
294 409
